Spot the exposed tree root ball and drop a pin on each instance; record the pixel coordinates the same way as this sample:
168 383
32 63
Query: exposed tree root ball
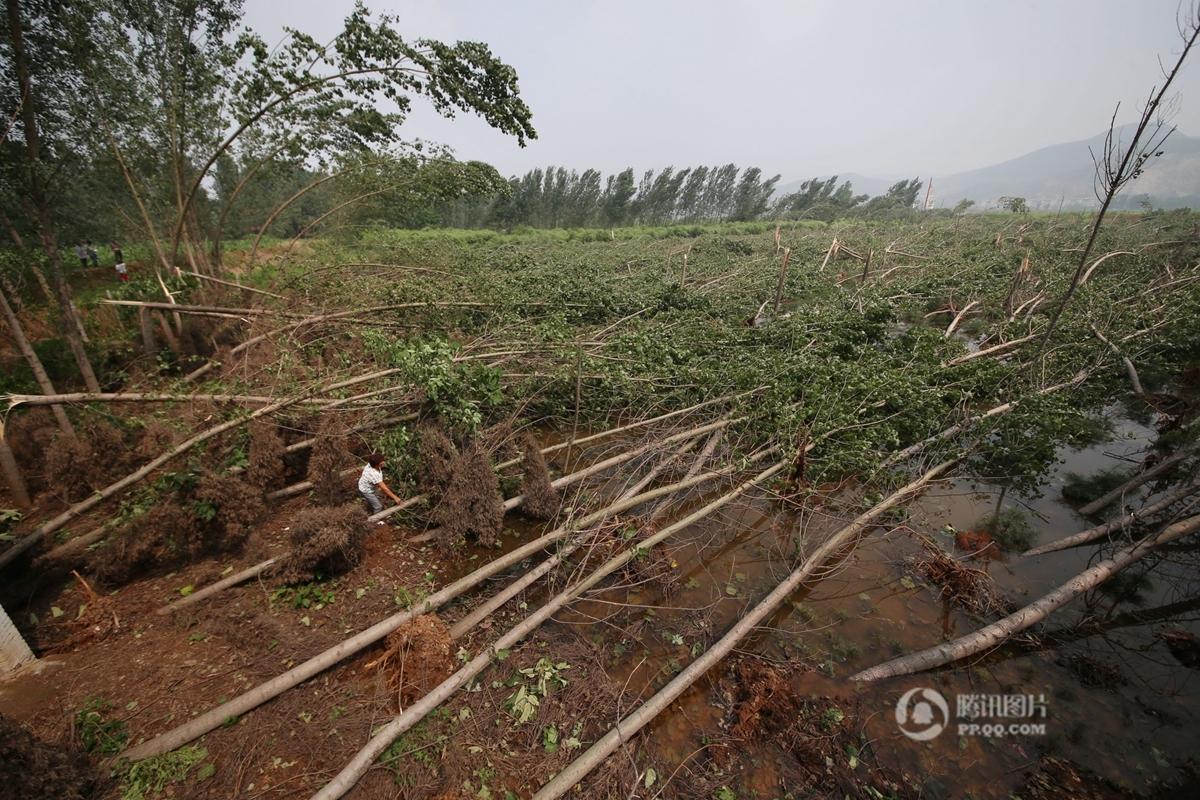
437 456
157 538
418 657
30 768
542 500
325 540
157 437
215 516
500 441
968 588
62 469
265 470
74 469
238 507
29 432
196 337
471 505
328 458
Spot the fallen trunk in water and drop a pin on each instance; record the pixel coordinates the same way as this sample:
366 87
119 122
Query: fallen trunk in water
631 724
998 632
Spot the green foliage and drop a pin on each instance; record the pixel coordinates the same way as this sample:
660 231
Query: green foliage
314 595
1016 205
1083 489
459 391
424 744
9 517
98 733
146 779
1010 529
523 704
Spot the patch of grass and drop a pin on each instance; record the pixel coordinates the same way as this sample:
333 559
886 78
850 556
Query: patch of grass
312 595
1010 530
148 778
97 732
423 744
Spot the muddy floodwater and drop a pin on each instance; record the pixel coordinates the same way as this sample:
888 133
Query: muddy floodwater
1116 702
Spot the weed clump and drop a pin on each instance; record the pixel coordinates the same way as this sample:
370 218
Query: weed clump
542 500
266 456
32 768
1009 529
471 504
328 458
325 540
437 456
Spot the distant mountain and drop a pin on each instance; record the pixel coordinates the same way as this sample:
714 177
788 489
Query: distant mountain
1059 174
1063 173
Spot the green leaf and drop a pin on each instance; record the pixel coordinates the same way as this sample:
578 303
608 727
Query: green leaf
186 590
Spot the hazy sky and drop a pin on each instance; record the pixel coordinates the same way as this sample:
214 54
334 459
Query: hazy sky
800 88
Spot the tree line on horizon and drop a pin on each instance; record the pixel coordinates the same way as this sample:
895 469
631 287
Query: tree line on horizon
556 197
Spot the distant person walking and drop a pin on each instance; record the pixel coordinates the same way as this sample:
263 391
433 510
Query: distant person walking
370 484
119 258
92 254
82 254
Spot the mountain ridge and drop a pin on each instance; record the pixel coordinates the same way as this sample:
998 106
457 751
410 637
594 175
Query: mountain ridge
1058 175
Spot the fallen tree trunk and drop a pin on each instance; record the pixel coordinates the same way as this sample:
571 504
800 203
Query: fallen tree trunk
94 499
313 319
262 567
1100 531
996 633
233 285
574 772
381 740
1142 477
958 318
303 486
15 400
1130 369
35 366
252 698
271 312
997 349
1100 261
